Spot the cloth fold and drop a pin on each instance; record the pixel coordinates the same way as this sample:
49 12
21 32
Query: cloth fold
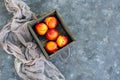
15 38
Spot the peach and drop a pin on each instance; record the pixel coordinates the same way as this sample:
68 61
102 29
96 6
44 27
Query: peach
52 34
62 41
41 28
51 47
51 22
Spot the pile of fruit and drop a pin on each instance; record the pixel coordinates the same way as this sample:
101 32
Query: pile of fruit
48 28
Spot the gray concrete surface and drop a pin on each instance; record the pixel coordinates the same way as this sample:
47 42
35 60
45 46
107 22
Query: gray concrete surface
96 27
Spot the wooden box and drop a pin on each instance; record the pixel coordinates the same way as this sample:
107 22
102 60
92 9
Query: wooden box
61 27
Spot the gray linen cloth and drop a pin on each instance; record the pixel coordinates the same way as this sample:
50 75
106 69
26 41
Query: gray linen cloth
15 39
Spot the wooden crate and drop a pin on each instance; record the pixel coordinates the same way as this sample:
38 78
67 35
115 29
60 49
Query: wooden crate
61 27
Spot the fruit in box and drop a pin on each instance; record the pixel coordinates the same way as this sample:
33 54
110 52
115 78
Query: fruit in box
62 41
52 34
51 47
41 28
51 22
42 41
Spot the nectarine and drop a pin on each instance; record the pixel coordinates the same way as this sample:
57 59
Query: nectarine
62 40
41 28
52 34
51 47
51 22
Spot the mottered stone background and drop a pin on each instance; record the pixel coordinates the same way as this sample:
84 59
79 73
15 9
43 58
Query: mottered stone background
95 24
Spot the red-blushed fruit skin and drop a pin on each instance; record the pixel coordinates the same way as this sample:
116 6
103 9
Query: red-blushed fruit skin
52 34
41 28
51 22
51 47
62 41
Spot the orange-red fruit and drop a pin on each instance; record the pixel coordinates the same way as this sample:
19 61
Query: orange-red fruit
51 22
62 41
51 47
52 34
41 28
